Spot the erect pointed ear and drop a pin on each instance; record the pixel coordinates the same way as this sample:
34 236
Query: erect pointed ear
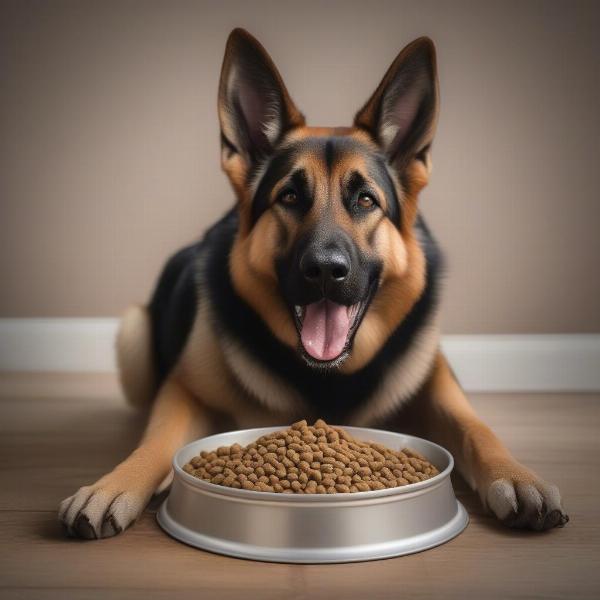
255 109
401 115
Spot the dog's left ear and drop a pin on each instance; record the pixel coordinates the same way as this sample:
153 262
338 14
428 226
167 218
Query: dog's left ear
255 108
402 113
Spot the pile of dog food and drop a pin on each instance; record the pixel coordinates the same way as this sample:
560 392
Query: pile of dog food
310 459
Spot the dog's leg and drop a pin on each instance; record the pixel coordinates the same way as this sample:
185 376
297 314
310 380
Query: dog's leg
112 503
516 495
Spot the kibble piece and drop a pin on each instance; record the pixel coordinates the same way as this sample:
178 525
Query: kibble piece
305 459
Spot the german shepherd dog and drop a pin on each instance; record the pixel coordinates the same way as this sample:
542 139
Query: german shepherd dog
316 295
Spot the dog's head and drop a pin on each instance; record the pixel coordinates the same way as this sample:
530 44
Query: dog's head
326 252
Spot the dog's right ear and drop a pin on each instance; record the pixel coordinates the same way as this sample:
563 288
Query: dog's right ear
255 109
401 114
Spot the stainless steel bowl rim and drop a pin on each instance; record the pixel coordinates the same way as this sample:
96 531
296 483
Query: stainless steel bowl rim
342 497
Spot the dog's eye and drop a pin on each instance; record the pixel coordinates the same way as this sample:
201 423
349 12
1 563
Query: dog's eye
287 198
365 200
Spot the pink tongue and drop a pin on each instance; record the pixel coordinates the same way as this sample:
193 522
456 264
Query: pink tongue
325 329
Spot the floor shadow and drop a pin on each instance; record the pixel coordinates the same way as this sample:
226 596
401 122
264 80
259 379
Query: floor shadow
51 529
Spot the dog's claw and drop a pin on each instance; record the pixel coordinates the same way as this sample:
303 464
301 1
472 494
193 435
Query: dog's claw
98 512
534 505
83 528
110 527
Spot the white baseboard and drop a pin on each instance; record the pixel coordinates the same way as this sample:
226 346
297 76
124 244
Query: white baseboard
483 363
519 363
64 345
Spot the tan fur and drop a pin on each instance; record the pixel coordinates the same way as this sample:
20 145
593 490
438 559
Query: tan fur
403 378
134 356
508 488
215 374
403 276
108 506
402 282
253 276
204 370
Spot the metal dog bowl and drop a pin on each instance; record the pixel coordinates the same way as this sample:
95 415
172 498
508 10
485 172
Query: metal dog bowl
315 528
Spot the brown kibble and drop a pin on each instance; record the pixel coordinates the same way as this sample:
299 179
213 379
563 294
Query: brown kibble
316 475
309 438
333 436
264 487
316 459
304 466
306 457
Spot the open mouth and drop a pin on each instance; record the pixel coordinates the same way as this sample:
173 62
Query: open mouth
327 328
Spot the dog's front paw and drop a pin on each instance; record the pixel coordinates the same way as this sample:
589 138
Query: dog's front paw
524 501
99 511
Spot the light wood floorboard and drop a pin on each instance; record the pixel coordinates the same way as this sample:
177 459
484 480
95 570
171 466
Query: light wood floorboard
60 432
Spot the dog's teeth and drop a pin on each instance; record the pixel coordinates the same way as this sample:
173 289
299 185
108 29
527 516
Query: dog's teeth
298 310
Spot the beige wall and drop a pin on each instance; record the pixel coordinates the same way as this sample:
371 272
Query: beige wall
109 143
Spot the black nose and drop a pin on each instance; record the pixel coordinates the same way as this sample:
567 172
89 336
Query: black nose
324 266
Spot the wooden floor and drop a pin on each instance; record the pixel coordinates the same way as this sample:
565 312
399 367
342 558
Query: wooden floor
58 433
